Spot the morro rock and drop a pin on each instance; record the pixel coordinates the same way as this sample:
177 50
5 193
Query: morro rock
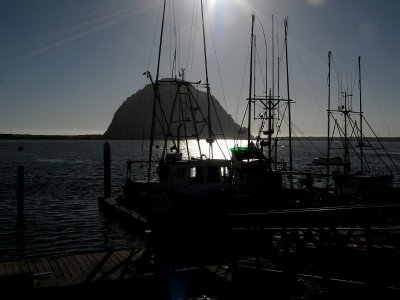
133 118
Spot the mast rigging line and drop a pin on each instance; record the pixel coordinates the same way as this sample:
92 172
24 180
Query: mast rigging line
376 101
176 50
241 87
261 71
354 126
241 124
289 111
220 126
217 60
210 101
193 37
381 144
266 57
353 123
301 141
154 38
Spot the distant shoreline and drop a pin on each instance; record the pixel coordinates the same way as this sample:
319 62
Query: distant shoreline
10 136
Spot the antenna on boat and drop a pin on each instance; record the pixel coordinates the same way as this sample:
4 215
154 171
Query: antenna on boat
155 96
210 139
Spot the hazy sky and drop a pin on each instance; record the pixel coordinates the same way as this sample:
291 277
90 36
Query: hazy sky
66 66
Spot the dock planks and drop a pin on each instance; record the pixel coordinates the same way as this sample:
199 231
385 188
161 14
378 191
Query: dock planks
71 270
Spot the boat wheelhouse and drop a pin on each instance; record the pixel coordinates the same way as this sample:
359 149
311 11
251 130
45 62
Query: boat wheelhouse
195 176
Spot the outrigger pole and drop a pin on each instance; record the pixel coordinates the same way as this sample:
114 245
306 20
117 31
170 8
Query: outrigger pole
156 91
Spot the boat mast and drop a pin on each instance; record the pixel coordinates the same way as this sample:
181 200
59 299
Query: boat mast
278 97
270 131
329 120
210 139
361 117
289 114
273 59
155 96
278 112
251 83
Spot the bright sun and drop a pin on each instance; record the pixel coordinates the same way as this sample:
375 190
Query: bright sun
213 4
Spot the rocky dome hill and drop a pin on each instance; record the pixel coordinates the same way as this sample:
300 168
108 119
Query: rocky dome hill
133 118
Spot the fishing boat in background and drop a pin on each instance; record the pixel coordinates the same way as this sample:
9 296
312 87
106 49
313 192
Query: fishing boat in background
271 182
365 184
256 168
263 179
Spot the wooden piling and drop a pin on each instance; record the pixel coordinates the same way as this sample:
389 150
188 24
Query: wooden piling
107 170
20 188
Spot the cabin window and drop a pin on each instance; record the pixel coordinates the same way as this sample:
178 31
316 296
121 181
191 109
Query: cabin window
225 174
213 174
193 172
196 175
180 173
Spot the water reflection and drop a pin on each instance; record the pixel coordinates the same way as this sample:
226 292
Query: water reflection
64 178
20 234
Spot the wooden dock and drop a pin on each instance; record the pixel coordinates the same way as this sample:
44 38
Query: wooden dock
130 271
79 270
102 273
345 250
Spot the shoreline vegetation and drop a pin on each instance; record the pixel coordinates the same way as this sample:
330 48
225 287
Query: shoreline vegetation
10 136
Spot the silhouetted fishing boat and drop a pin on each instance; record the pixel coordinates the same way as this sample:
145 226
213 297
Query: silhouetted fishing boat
193 190
363 185
262 180
256 170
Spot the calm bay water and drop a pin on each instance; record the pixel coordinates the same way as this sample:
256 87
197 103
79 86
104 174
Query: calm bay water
63 180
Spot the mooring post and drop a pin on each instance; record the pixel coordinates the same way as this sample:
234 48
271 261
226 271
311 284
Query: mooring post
107 170
20 188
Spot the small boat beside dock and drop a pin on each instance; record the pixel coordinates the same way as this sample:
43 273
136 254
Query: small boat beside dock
116 206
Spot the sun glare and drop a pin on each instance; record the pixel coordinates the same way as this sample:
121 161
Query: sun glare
213 5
